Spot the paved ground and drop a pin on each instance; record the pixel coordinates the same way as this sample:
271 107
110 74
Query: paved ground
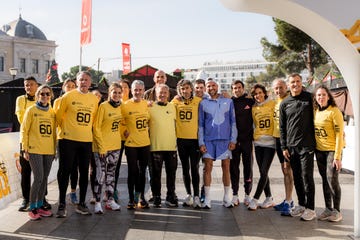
185 223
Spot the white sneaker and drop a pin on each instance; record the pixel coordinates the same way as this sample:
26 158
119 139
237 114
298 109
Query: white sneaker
197 202
308 215
227 202
188 201
98 209
269 202
206 204
235 200
298 211
112 205
253 204
247 200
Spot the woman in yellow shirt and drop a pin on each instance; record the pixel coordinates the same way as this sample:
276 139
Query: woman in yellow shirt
38 139
329 135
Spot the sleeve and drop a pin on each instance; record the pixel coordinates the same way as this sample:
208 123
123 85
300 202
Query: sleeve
98 137
201 125
234 131
25 130
20 108
338 122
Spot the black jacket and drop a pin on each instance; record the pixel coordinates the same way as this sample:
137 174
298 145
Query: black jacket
297 122
244 122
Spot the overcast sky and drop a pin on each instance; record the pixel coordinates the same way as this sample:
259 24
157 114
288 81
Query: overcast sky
165 34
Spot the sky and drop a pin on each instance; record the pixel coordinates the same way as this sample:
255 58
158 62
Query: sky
165 34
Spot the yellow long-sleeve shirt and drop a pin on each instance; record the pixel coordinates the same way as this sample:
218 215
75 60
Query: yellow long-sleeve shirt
38 131
136 119
106 129
187 118
22 103
76 115
329 130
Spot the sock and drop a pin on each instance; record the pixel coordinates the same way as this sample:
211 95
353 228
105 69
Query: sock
207 192
226 192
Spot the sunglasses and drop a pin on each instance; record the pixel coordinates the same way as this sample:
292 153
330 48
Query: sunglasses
45 94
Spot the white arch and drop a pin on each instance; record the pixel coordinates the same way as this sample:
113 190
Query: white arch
335 44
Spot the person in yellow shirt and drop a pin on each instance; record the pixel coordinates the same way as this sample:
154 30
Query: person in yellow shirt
23 102
280 90
264 142
125 95
75 117
38 140
187 107
329 136
107 146
68 85
136 117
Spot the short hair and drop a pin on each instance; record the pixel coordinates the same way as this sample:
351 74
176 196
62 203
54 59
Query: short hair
184 82
256 86
83 72
200 81
237 82
30 78
294 75
112 87
278 80
162 86
331 101
73 80
41 88
137 82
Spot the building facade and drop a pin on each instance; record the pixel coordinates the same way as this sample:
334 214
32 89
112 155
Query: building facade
226 73
24 46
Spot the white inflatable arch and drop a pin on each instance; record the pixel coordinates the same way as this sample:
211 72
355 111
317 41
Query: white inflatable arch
343 53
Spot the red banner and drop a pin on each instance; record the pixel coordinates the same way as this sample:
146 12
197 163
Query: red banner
85 37
126 58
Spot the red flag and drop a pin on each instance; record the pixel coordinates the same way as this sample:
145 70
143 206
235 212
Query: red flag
126 58
85 37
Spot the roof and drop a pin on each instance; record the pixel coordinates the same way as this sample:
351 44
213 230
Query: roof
23 29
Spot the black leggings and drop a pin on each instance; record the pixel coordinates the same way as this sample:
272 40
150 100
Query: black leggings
137 160
71 151
264 157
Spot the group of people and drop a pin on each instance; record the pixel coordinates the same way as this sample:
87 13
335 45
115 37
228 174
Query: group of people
194 122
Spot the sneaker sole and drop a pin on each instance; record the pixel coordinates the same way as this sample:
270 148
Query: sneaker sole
109 208
82 212
206 207
35 219
60 215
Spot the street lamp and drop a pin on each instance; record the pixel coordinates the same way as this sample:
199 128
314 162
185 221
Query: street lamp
13 72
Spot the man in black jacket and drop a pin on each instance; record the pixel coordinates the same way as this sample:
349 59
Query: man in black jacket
244 146
297 138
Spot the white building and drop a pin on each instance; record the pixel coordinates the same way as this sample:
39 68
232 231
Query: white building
226 73
25 47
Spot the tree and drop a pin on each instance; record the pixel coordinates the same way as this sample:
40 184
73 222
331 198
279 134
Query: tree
52 77
295 51
96 75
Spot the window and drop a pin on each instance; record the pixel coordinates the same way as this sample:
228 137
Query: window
35 66
1 64
22 65
47 66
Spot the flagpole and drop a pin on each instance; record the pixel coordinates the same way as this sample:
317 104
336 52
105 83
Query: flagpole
80 59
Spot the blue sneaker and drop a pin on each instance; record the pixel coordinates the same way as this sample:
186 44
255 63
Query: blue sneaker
286 209
279 206
73 198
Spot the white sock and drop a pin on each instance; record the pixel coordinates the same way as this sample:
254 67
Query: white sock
207 192
226 192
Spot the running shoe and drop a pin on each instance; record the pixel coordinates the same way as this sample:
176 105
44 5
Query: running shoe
112 205
82 209
188 201
98 208
34 215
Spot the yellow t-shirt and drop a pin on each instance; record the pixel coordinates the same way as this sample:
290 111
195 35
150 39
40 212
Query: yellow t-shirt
329 130
162 127
22 103
136 120
106 128
76 115
187 118
38 131
263 117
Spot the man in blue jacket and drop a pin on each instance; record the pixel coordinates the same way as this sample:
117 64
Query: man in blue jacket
217 138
